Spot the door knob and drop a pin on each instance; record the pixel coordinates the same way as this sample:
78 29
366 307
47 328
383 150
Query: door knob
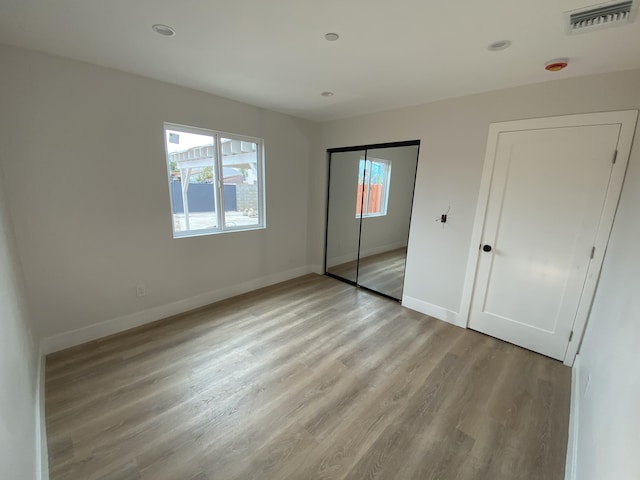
486 248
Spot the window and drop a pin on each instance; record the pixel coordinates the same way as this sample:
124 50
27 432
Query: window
215 181
373 187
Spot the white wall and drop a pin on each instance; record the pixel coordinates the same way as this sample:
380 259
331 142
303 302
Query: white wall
391 231
17 364
343 228
86 179
453 136
607 399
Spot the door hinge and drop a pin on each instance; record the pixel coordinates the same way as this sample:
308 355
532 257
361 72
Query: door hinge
615 156
593 252
571 335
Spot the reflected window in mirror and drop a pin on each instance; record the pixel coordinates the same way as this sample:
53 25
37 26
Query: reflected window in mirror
373 187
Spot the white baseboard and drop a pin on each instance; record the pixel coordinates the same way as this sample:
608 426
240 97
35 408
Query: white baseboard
574 417
42 451
350 257
126 322
317 268
432 310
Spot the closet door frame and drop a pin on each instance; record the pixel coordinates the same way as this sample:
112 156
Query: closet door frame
365 148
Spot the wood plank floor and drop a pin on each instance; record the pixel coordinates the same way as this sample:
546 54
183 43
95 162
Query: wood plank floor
383 272
309 379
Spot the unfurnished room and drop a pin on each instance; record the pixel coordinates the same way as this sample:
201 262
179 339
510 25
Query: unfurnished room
298 240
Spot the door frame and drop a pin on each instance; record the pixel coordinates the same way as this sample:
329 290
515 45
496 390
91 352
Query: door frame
627 121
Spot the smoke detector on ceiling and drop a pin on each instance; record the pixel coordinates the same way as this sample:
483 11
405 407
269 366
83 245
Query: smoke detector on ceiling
602 15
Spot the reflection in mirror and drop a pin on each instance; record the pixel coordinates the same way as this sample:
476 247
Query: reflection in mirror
343 223
388 192
369 211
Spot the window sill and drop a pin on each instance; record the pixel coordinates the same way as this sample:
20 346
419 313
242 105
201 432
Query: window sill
216 231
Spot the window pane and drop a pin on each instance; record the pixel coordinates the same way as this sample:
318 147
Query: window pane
376 187
373 187
191 159
241 193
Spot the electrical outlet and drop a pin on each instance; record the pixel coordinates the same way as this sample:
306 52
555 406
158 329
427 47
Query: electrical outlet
141 290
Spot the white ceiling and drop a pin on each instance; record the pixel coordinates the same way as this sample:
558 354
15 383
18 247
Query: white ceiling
272 53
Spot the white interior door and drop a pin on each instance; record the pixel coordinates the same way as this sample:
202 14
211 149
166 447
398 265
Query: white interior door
546 201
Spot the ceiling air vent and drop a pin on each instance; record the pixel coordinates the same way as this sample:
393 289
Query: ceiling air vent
600 16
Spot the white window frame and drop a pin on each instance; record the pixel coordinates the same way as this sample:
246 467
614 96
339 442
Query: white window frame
218 183
385 193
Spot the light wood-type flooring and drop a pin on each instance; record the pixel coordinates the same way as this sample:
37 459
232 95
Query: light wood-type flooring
383 272
308 379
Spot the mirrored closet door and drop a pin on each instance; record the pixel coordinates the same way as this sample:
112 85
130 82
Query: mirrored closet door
368 214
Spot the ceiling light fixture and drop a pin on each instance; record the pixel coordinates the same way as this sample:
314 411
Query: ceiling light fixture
331 37
164 30
556 65
327 94
499 45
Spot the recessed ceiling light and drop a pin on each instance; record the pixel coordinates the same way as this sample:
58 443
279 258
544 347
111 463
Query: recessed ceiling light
164 30
331 37
556 65
327 94
499 45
